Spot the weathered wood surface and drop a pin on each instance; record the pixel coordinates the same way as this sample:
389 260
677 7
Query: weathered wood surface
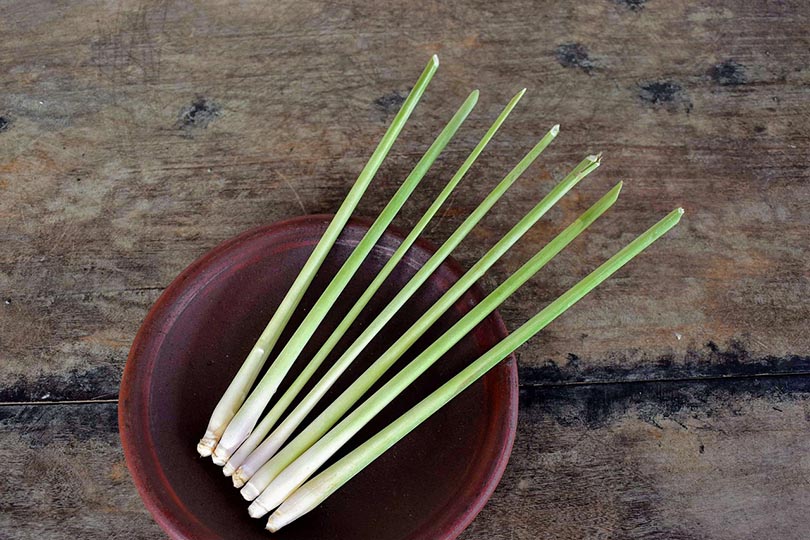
664 460
135 136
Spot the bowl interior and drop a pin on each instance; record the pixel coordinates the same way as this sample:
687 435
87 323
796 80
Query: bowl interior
430 485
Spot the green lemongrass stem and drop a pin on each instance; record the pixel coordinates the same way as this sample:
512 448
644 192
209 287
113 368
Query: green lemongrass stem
269 420
245 459
291 457
270 463
245 420
315 491
312 459
237 391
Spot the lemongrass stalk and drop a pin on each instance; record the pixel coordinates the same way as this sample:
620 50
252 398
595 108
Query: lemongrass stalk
269 420
311 435
315 491
265 462
245 420
235 395
245 459
312 459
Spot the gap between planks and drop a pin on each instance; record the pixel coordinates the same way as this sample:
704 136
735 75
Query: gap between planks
529 385
776 375
57 402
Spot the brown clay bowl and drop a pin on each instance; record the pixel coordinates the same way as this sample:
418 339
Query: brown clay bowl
429 486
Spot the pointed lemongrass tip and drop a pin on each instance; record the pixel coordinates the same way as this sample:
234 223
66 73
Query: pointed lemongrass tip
617 188
595 158
474 93
555 129
516 98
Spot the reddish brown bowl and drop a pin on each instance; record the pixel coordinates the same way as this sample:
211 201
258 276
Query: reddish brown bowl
430 485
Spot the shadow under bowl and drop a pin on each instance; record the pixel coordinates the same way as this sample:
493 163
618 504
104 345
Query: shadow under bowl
429 486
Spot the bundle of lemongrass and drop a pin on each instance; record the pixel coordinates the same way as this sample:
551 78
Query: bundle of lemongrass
274 473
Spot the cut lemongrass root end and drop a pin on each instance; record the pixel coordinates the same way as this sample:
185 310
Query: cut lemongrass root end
249 492
256 510
207 444
279 519
220 455
239 478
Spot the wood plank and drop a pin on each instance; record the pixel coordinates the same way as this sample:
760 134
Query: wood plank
65 476
721 459
137 136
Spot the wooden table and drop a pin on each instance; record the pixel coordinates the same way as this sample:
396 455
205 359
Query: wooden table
672 403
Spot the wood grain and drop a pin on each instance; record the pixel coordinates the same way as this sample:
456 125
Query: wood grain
664 460
136 135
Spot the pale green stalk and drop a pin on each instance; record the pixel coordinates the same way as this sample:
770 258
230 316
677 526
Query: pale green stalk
312 493
257 456
311 460
245 420
241 475
349 397
236 392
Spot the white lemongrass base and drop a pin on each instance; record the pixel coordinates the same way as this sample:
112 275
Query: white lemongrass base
249 492
228 469
257 510
207 444
277 520
239 478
